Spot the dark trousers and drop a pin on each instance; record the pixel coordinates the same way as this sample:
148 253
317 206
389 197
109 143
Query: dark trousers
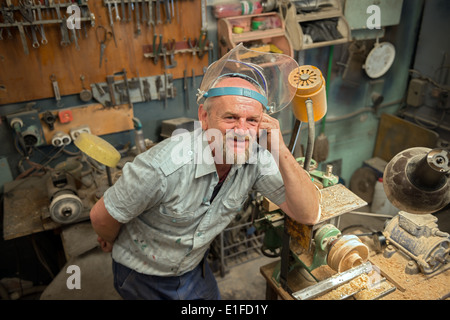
198 284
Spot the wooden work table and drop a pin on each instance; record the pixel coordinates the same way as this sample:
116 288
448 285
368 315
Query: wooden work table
26 205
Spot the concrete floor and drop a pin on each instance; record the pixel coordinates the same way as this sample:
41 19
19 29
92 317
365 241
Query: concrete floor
242 279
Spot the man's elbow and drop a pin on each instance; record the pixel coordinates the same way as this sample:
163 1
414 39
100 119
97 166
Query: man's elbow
100 217
309 216
312 219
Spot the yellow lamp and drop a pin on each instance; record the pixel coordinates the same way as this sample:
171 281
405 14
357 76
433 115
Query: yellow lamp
310 87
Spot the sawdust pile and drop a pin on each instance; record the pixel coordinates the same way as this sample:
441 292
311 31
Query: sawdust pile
359 283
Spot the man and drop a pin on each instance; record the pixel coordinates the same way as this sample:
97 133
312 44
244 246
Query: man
170 203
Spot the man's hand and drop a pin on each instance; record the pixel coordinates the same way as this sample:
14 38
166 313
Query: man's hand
270 134
105 245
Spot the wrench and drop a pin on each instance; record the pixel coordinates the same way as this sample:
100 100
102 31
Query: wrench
167 10
158 12
23 38
117 11
74 37
41 29
63 27
151 21
33 27
56 89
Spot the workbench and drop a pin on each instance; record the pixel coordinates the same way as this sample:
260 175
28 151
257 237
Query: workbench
419 286
26 205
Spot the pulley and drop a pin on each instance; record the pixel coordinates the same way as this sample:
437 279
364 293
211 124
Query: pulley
347 252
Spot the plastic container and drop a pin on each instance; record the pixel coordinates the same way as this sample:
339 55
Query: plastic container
245 7
380 202
264 23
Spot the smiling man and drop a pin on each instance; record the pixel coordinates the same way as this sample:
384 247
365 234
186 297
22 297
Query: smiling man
162 214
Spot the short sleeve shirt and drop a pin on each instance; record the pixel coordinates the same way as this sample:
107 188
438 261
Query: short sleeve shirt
163 199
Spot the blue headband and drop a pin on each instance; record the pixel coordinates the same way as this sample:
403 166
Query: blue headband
238 91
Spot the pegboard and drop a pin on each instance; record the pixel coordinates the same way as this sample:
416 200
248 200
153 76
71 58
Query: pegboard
26 77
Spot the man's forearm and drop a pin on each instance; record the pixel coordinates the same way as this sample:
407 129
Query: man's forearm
302 196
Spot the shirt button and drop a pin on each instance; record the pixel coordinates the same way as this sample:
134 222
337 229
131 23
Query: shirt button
199 234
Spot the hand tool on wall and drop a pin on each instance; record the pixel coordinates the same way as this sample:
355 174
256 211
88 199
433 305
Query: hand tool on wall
167 11
56 90
171 51
130 12
103 37
41 27
127 86
147 95
117 11
100 89
112 94
138 22
144 11
151 19
111 23
158 12
7 17
74 37
204 32
156 49
63 27
122 5
138 83
85 95
27 13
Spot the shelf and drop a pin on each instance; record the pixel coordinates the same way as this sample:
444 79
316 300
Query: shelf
255 35
342 27
296 34
325 13
228 39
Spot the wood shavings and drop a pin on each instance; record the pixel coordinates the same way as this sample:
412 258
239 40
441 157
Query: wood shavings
375 291
350 288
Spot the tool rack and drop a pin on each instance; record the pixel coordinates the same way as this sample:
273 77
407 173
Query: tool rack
66 63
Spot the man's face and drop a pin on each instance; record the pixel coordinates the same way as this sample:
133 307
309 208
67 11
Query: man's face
231 125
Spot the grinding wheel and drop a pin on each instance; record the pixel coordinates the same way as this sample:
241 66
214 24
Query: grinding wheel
347 252
65 208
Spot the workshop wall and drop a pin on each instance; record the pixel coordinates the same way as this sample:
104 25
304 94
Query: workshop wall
430 72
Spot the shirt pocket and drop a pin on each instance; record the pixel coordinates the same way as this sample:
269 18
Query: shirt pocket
175 216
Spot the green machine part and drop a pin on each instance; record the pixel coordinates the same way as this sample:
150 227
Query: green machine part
322 238
326 178
324 235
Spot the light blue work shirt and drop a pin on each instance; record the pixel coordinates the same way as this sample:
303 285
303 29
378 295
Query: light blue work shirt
163 199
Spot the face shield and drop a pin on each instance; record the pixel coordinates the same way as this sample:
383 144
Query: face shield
268 72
